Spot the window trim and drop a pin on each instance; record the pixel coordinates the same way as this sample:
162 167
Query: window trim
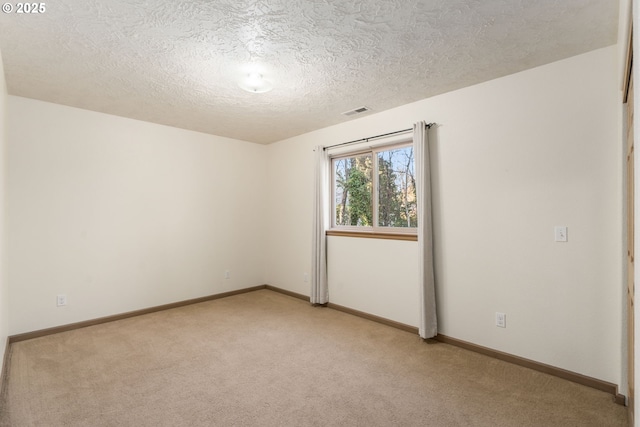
413 237
395 233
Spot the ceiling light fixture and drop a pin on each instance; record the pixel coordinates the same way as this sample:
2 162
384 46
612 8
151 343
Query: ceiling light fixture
255 83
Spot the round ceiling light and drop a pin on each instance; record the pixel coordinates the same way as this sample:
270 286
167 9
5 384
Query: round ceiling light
255 83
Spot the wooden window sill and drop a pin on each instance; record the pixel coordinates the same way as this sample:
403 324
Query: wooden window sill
373 235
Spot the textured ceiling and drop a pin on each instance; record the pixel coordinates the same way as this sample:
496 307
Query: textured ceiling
178 62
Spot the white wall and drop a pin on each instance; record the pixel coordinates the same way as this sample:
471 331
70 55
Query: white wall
512 158
383 270
121 215
4 297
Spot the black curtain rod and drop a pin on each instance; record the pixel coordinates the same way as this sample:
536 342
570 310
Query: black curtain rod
374 137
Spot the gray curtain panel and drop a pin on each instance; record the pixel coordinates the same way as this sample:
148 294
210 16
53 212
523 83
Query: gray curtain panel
319 286
428 326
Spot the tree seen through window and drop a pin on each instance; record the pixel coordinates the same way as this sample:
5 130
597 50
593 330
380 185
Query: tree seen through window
388 201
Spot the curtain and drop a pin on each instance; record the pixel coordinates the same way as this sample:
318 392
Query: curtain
428 326
319 287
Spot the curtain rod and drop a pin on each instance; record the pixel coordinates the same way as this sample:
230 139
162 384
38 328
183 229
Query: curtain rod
374 137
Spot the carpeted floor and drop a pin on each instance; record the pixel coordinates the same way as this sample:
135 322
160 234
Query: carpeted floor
266 359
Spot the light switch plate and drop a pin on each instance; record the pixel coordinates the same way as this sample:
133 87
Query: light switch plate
560 232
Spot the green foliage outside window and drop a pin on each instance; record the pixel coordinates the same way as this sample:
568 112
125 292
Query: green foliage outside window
395 193
354 198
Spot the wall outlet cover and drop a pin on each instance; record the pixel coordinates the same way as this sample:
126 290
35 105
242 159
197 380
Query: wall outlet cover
501 320
61 300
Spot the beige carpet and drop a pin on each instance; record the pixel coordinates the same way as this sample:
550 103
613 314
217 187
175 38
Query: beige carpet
265 359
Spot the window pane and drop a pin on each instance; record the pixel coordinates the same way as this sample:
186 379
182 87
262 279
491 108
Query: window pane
353 190
397 188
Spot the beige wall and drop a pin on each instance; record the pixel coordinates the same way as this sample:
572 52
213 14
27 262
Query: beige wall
636 77
512 158
623 34
4 293
121 215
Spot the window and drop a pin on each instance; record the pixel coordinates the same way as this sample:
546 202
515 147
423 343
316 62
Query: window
375 190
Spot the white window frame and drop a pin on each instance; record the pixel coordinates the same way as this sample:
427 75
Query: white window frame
374 229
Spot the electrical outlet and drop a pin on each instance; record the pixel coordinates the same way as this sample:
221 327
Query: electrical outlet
501 320
227 275
61 300
306 277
